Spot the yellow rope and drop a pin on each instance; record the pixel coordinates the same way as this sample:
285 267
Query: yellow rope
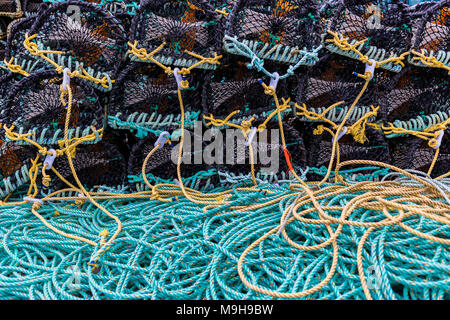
33 49
429 61
342 43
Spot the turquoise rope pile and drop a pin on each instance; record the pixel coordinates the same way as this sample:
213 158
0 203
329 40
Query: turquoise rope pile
176 251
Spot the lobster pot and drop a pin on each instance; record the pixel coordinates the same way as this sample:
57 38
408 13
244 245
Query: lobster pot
10 8
85 38
34 105
97 164
145 100
236 87
14 165
384 26
14 48
162 165
432 36
333 81
415 153
275 30
417 98
186 28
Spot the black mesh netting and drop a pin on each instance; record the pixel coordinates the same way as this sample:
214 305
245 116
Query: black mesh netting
276 29
415 92
185 26
235 87
13 156
98 164
333 80
10 8
87 37
142 88
385 24
268 156
14 43
163 163
415 153
34 104
375 149
433 28
3 32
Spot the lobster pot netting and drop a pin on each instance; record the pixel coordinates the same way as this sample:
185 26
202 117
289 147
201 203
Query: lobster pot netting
10 8
432 36
3 32
375 149
415 153
235 158
123 10
415 95
383 25
275 30
184 26
162 165
333 81
15 51
145 100
34 105
86 39
95 164
14 164
235 87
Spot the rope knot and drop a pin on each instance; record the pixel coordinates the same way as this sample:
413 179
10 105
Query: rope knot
36 206
319 130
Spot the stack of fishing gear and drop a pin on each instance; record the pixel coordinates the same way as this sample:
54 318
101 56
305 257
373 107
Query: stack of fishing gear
225 149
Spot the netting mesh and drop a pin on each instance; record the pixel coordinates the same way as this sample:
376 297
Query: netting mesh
14 44
10 8
161 164
276 28
433 29
146 100
34 104
333 81
413 95
184 26
98 164
415 154
235 87
212 223
384 26
86 37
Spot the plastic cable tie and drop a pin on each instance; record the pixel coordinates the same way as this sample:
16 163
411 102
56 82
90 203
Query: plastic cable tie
162 139
341 133
50 158
251 135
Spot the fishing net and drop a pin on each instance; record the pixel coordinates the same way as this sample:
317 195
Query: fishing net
412 95
97 164
431 42
10 8
14 52
145 101
14 164
162 166
379 30
79 36
186 30
34 105
414 153
3 31
235 87
286 32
